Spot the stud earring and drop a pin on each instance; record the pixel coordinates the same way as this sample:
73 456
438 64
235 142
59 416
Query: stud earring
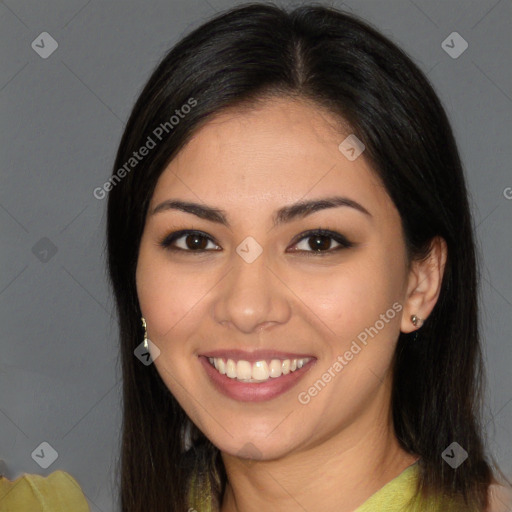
415 319
145 334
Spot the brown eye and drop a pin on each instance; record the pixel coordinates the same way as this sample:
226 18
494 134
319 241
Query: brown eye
319 242
188 241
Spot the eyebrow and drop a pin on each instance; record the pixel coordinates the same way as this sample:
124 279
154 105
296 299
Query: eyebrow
285 214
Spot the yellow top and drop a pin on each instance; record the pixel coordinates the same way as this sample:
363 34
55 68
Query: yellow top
399 495
60 492
57 492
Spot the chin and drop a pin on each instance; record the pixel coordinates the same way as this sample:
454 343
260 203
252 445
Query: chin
258 446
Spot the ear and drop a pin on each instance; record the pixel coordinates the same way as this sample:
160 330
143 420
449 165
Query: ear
424 284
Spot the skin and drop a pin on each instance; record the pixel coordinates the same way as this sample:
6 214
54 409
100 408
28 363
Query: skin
339 448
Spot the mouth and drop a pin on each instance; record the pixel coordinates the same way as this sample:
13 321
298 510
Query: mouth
256 378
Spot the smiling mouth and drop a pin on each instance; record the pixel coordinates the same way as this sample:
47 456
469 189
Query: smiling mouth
258 371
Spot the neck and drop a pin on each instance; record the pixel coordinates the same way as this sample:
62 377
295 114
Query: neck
340 472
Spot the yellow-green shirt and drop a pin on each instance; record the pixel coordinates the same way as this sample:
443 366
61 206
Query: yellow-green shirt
57 492
397 495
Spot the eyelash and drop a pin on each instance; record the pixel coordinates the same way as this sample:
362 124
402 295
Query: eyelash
337 237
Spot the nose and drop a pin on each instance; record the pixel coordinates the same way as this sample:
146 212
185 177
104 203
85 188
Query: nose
251 297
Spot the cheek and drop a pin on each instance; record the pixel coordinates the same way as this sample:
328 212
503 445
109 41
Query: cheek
351 297
167 294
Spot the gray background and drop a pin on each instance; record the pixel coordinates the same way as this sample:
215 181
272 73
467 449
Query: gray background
62 118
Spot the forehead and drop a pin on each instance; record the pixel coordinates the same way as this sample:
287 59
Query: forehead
282 151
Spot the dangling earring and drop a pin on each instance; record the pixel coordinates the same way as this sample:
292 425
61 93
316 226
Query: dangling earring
145 334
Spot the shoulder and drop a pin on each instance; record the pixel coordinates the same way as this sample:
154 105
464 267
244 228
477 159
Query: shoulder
500 498
57 492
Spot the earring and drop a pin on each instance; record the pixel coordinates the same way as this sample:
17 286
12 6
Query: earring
414 320
145 334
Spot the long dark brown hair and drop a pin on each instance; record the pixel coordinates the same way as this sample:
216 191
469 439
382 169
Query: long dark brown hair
342 64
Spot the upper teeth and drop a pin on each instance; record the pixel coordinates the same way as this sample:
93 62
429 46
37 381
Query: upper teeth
258 371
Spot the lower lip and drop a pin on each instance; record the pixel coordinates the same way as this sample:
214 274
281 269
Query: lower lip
254 391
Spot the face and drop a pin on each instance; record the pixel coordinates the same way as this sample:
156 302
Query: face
262 289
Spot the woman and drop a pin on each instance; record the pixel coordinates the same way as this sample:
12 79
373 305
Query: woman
288 216
292 255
